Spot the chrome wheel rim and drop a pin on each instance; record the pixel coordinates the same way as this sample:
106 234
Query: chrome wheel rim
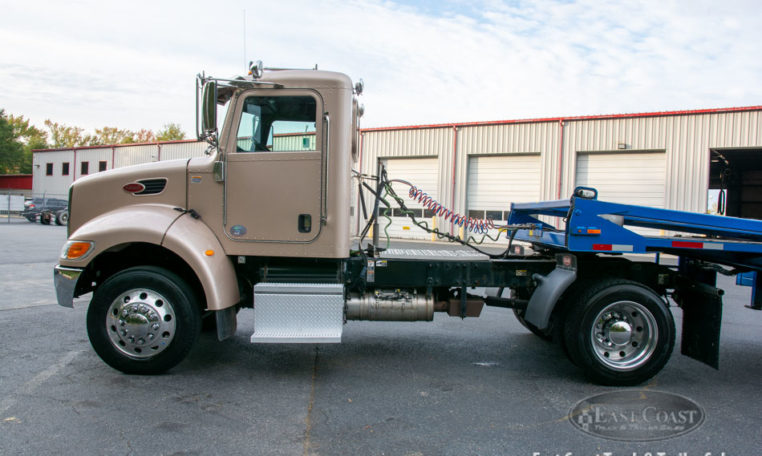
140 323
624 335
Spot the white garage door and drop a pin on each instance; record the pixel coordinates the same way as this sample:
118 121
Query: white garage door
637 178
496 182
421 172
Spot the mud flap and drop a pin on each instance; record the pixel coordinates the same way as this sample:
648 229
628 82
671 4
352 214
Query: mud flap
702 319
544 298
227 322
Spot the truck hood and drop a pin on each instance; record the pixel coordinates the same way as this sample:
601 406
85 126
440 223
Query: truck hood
163 183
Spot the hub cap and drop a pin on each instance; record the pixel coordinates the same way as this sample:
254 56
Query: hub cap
140 323
624 335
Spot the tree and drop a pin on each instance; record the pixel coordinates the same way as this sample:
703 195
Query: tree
65 136
170 132
30 137
113 135
143 136
11 149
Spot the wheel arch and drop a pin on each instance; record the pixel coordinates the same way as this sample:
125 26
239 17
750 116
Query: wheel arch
124 256
157 235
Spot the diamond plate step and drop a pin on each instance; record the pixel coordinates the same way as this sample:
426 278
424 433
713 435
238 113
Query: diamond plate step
298 313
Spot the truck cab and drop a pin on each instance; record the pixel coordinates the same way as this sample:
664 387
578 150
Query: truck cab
274 186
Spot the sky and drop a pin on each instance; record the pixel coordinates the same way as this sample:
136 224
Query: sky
133 64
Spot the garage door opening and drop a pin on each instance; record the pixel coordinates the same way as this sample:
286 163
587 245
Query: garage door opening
735 183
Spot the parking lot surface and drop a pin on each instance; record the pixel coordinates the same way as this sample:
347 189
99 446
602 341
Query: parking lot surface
481 386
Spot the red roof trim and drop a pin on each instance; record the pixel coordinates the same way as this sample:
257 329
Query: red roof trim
565 119
107 146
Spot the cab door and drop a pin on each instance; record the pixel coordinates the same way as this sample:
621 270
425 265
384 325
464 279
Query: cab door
275 168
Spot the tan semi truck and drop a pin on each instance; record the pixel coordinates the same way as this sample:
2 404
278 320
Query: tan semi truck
263 221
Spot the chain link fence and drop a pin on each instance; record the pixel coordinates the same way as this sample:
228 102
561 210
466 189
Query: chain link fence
17 208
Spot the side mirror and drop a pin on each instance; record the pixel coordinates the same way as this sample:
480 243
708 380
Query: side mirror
209 108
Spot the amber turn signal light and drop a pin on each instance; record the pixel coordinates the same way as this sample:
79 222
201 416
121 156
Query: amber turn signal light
74 250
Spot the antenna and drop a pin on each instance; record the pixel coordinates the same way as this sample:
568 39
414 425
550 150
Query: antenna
245 65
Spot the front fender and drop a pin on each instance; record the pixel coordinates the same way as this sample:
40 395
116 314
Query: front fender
161 224
135 223
195 243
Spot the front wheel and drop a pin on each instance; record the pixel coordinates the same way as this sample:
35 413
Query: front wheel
143 320
619 332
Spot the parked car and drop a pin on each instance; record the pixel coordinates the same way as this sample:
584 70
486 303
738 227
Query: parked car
47 210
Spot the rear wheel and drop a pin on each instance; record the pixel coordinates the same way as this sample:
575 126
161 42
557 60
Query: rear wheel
62 217
620 332
143 320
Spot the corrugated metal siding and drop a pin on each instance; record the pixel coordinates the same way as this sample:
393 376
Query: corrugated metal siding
294 142
93 157
432 142
518 138
738 129
133 155
685 140
175 151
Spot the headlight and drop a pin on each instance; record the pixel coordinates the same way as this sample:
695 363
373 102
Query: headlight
76 250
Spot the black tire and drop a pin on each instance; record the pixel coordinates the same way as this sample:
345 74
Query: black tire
143 320
62 217
45 218
619 332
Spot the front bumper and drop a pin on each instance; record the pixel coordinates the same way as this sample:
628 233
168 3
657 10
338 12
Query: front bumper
65 280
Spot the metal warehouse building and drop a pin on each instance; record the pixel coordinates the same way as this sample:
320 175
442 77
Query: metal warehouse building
54 170
666 159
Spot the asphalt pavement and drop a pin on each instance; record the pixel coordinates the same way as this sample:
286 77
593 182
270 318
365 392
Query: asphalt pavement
481 386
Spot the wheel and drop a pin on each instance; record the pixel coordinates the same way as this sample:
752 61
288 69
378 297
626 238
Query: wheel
62 217
619 332
143 320
45 218
544 335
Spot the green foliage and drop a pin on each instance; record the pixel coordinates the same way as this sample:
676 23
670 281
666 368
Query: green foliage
18 138
30 137
170 132
65 136
11 149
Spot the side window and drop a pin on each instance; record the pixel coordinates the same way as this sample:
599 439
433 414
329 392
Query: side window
277 124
